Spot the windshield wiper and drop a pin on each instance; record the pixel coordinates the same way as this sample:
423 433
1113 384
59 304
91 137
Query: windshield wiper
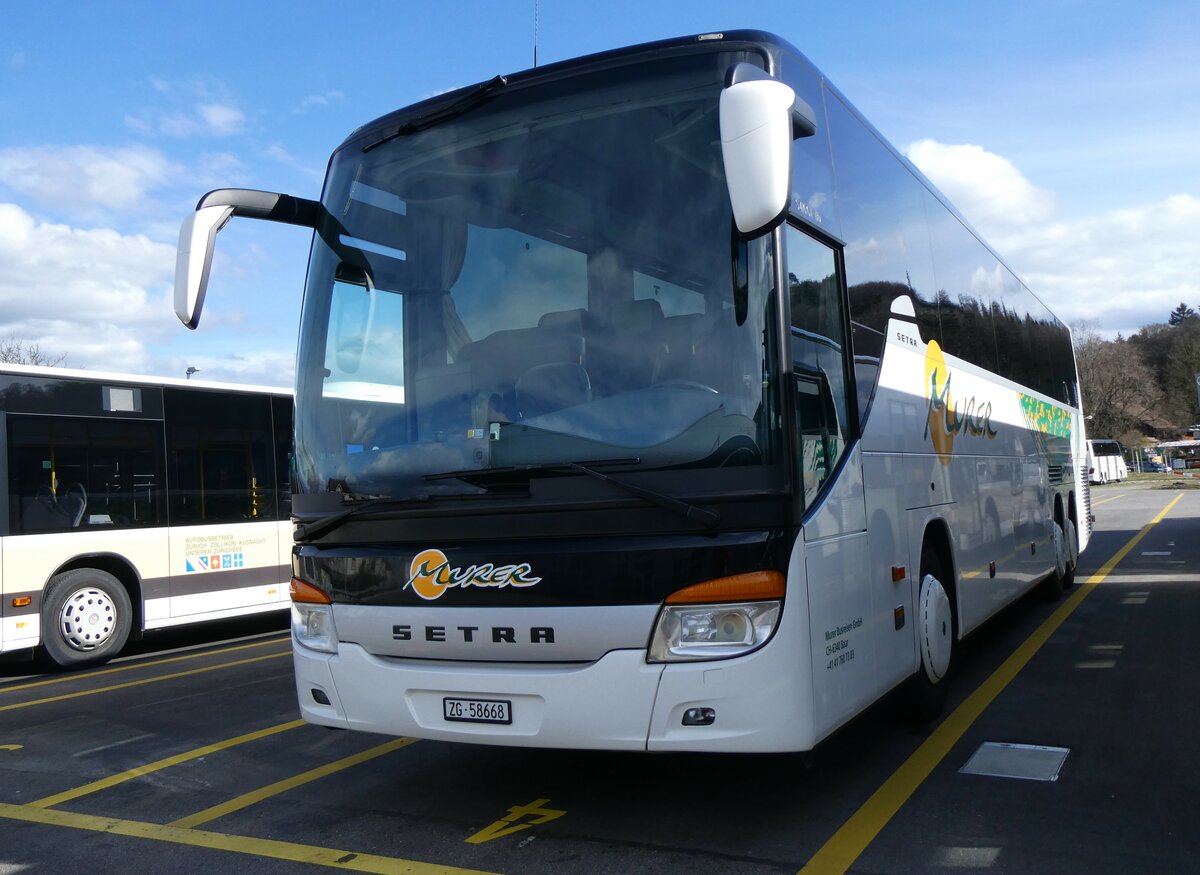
693 512
481 93
310 530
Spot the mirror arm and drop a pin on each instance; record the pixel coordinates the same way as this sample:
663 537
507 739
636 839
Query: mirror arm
193 258
268 205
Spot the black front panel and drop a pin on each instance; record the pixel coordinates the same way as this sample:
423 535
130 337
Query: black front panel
622 570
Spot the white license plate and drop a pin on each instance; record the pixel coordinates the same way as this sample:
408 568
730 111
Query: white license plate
477 710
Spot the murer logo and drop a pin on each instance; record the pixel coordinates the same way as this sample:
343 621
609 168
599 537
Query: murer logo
430 574
947 418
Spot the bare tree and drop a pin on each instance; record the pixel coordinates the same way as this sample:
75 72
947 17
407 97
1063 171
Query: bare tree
1119 390
14 351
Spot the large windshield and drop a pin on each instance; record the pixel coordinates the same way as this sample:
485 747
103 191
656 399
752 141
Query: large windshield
549 276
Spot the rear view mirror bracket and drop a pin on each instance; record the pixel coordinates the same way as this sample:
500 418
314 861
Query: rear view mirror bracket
197 237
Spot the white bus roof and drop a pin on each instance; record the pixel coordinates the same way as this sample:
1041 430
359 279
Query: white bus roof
140 379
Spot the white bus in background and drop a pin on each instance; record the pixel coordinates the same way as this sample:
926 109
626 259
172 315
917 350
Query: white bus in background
1106 462
137 503
712 420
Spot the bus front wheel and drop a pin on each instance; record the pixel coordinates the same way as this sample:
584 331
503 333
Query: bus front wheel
86 617
937 632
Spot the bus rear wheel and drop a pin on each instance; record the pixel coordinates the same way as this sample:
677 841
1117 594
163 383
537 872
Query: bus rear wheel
937 632
86 618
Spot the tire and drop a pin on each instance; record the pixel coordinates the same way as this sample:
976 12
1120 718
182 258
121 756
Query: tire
1051 588
86 618
937 632
1072 555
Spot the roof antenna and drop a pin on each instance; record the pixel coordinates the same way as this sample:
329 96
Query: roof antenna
535 31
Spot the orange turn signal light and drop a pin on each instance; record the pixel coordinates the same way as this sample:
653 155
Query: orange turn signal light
302 591
22 601
754 586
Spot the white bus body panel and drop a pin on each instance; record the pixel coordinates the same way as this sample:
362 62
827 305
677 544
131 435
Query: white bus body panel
175 588
763 700
202 555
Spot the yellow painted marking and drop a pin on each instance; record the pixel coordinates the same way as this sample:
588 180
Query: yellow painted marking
846 845
268 848
256 796
153 680
1110 498
507 825
11 746
106 671
158 765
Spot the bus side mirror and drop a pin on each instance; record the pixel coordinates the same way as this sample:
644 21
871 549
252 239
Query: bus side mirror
759 118
194 259
199 232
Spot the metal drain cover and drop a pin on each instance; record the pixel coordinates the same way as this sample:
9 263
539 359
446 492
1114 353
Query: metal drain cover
1031 762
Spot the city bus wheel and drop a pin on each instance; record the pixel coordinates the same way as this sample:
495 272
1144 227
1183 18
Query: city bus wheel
86 617
937 634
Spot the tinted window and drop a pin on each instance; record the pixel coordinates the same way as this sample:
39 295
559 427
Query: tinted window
818 358
82 473
220 457
281 417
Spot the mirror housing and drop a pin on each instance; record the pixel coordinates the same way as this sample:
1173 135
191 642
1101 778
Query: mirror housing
197 237
759 118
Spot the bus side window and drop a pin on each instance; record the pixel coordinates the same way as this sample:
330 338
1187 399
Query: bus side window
220 457
819 364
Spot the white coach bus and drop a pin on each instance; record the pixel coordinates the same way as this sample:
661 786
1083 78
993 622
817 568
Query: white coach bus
137 504
710 422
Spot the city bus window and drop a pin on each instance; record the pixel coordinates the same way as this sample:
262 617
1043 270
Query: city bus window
220 454
75 473
818 360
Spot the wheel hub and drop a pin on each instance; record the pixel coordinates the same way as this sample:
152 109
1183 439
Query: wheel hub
88 619
937 629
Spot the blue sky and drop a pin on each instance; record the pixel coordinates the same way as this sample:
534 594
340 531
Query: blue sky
1067 131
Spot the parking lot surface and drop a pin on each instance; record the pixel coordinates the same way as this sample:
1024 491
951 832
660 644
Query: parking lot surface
185 760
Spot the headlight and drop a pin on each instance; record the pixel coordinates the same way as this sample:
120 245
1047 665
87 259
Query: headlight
693 632
312 618
312 626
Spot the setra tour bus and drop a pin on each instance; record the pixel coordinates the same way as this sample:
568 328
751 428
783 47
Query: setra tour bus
137 504
651 401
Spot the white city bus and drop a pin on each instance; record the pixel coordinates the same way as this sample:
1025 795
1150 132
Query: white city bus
711 421
137 504
1106 462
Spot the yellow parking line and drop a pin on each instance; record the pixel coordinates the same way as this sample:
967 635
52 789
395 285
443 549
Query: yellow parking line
83 676
846 845
256 796
1110 498
158 765
269 848
153 680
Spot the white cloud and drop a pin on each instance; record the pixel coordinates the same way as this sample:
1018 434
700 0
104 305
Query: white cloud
79 180
987 188
312 101
96 294
205 120
221 119
1123 268
1120 268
